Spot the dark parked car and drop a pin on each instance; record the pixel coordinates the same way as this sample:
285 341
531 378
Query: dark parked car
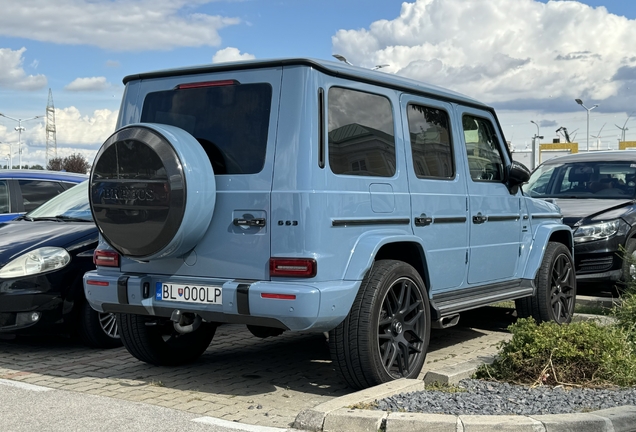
24 190
596 193
43 257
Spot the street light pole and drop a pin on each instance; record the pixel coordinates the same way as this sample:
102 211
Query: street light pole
534 144
580 102
20 129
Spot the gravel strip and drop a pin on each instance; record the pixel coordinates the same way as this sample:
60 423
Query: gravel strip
493 398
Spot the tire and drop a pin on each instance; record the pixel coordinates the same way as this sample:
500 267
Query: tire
152 191
98 329
385 336
555 283
157 342
629 260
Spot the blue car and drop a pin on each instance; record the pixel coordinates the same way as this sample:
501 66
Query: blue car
24 190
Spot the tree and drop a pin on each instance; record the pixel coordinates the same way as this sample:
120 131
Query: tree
36 167
74 163
55 164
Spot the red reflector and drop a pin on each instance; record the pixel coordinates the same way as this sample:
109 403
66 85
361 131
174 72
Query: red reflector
105 258
278 296
98 283
292 267
207 84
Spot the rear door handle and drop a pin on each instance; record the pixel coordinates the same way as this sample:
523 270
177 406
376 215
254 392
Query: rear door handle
423 220
479 218
256 222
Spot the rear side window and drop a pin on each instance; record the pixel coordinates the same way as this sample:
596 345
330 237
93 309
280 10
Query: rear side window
430 142
37 192
230 121
361 137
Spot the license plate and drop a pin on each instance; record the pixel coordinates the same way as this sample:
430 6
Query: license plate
202 294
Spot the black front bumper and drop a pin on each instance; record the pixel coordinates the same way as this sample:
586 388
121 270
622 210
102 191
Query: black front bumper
19 298
600 260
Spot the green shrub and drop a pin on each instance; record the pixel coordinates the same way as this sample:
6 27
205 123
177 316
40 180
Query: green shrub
625 311
580 353
625 315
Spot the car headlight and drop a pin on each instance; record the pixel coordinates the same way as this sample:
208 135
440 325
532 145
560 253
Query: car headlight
597 231
36 261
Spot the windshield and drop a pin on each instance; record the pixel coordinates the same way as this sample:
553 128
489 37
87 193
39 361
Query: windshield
583 180
71 204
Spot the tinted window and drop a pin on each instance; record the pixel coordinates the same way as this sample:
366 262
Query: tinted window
430 142
231 122
361 140
482 147
37 192
4 197
583 180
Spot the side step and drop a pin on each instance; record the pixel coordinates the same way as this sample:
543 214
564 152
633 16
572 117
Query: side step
445 322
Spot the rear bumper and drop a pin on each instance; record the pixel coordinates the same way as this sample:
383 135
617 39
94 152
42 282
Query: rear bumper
316 306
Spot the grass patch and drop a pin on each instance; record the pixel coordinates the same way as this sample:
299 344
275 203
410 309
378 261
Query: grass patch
592 309
445 387
364 405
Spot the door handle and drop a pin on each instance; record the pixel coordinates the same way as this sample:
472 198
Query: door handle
256 222
423 220
479 218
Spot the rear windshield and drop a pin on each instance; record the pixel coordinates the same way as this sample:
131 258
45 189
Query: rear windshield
583 180
230 122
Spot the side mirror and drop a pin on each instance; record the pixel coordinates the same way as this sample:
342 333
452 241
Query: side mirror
518 174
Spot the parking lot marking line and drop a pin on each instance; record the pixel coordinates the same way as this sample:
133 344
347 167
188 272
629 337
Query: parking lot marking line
24 386
235 425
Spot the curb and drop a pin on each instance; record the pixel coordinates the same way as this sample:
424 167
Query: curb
337 415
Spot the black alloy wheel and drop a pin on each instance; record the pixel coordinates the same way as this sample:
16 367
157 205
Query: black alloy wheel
555 284
385 335
401 328
563 289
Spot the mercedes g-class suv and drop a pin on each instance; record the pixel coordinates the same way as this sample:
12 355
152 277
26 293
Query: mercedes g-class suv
307 195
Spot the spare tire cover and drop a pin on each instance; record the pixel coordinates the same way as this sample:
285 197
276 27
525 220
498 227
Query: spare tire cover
152 191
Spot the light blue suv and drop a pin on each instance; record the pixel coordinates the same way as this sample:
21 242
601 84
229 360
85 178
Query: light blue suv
307 195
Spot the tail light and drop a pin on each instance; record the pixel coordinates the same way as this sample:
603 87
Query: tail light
105 258
293 267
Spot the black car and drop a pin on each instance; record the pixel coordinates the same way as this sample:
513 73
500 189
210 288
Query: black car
597 196
43 257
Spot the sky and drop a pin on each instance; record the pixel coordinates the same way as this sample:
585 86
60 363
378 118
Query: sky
529 59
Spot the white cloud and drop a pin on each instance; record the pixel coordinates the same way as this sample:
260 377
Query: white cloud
73 128
12 74
118 25
501 51
75 133
88 84
231 54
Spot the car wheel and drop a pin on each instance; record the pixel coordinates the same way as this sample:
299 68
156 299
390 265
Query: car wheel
155 341
152 191
385 335
555 283
98 329
628 273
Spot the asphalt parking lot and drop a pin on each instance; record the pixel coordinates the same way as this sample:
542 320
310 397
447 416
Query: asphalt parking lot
239 378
